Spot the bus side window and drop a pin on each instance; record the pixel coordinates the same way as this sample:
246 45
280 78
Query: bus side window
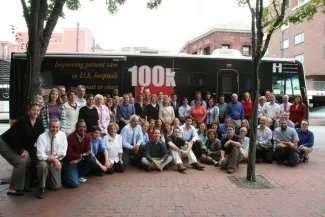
278 85
289 91
296 85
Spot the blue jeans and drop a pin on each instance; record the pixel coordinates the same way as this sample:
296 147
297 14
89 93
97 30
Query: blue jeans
72 172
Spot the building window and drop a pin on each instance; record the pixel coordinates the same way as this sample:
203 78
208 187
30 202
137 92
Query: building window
284 27
300 2
246 50
206 51
284 44
299 38
300 58
225 46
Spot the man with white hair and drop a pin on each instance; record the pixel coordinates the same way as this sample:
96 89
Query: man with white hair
235 110
81 92
132 138
285 106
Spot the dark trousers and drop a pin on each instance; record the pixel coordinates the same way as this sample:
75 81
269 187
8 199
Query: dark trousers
196 148
289 154
265 154
120 125
130 155
116 167
72 172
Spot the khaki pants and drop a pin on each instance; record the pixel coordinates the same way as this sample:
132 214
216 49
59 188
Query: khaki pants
177 156
145 162
232 159
304 150
47 174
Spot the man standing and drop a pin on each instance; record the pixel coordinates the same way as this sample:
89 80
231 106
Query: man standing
285 106
271 110
179 147
175 104
61 90
51 148
264 149
189 134
81 91
235 110
156 155
286 140
79 160
222 108
124 111
230 150
132 138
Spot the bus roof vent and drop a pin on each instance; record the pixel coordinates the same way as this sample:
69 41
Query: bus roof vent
150 51
226 53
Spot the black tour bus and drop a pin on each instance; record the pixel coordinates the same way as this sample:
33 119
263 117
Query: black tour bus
182 74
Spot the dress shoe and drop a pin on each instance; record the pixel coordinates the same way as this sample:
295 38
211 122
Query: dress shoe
40 194
197 166
181 168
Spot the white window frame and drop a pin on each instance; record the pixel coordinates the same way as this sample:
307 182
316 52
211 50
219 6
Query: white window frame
286 45
300 36
225 46
284 27
300 57
249 50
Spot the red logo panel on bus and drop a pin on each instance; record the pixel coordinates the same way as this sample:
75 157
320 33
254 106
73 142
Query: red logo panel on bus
155 79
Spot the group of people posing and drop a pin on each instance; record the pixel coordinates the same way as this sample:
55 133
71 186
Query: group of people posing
71 135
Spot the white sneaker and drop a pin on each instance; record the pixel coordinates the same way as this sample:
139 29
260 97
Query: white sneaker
82 179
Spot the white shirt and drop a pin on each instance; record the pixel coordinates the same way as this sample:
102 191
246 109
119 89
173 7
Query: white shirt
264 136
43 145
114 147
72 116
287 108
189 134
81 102
271 109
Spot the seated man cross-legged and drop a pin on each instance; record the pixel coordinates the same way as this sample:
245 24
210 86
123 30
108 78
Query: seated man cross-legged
306 140
286 140
156 155
51 148
180 147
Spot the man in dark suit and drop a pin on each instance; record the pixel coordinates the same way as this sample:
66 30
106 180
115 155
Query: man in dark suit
175 104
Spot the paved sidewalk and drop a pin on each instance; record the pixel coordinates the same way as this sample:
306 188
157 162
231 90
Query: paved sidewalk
298 192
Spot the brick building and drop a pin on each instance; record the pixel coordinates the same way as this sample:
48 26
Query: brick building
227 36
305 42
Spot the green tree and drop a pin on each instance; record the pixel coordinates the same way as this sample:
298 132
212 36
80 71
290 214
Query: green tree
41 17
264 21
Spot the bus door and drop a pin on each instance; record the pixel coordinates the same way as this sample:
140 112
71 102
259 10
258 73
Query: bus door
227 83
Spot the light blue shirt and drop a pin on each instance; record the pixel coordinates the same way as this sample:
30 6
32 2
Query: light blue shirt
181 112
212 113
127 136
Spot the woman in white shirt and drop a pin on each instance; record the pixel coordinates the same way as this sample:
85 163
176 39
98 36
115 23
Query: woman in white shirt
166 112
244 141
71 109
113 142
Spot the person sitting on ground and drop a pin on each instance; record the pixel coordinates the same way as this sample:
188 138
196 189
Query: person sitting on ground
244 141
145 128
113 142
179 147
156 155
286 140
99 151
189 134
306 140
245 123
132 139
51 147
230 150
79 160
211 149
202 133
264 147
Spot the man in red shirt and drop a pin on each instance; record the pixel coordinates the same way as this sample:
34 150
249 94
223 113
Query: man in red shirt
79 159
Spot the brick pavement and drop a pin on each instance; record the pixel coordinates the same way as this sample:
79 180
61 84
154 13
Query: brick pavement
298 192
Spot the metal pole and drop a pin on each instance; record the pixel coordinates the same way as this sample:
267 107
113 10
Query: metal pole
77 38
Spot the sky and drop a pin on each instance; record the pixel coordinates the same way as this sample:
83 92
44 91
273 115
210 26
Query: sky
167 28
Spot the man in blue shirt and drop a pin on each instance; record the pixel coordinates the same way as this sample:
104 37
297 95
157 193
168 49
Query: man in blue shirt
124 111
132 140
306 140
235 110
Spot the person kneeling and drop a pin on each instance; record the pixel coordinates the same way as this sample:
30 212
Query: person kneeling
177 144
51 148
79 160
230 150
155 153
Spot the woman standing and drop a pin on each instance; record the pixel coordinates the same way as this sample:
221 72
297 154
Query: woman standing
103 113
166 112
141 108
112 113
247 104
113 142
89 114
17 147
261 100
212 112
198 112
297 111
71 109
153 108
53 110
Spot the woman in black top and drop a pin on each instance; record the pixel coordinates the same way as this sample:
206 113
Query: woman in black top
89 114
153 108
17 147
141 108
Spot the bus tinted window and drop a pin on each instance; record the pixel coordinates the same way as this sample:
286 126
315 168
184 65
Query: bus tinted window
283 85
